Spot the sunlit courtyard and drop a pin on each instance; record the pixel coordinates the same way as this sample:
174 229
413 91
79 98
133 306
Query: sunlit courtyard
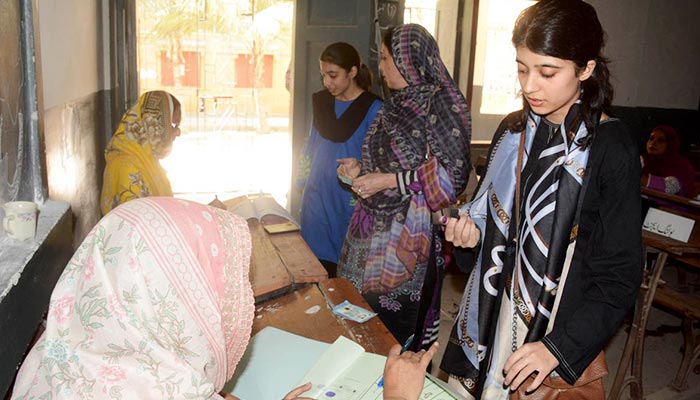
227 62
230 163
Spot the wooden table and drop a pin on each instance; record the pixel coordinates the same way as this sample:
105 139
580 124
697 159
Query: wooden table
688 253
308 312
670 198
280 262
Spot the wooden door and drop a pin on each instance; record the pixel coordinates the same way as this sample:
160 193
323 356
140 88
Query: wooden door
446 17
319 23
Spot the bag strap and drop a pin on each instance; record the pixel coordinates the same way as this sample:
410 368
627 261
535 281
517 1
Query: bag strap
518 168
514 234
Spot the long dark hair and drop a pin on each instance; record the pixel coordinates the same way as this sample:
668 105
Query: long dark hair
570 30
345 56
386 40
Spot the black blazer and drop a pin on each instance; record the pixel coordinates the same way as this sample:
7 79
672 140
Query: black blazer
606 269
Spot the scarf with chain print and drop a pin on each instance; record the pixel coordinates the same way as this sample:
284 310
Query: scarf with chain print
550 187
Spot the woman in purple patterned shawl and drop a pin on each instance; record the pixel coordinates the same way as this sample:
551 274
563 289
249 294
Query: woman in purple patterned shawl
415 160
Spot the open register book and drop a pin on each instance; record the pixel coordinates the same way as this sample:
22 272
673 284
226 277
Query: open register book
259 206
277 361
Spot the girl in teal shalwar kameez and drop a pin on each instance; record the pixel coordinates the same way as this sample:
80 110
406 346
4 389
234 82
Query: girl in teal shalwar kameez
343 113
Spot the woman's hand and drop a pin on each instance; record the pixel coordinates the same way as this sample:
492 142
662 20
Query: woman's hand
371 184
349 167
462 232
294 394
645 180
404 374
530 358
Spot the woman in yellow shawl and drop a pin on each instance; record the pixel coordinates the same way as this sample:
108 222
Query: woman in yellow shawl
144 136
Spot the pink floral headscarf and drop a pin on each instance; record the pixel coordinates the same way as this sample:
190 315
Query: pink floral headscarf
155 304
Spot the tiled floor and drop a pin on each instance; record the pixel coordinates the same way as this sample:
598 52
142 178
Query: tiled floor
661 357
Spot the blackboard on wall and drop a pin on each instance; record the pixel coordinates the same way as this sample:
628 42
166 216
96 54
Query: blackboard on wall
22 162
11 97
388 13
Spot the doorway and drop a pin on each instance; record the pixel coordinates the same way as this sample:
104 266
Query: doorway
495 87
226 62
229 62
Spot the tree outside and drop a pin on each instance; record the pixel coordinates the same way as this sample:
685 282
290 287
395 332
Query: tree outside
225 60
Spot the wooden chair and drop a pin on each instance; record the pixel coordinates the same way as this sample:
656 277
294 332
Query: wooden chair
652 293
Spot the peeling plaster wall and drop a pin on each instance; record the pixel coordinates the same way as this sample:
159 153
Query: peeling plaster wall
71 47
76 92
74 146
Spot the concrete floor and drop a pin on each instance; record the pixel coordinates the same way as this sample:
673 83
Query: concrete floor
661 358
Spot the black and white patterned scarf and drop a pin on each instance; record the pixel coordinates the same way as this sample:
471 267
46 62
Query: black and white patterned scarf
554 164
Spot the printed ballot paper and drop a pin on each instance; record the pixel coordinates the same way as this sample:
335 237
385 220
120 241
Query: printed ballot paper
277 361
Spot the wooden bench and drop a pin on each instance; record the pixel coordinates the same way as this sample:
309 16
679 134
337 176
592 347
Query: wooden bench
689 308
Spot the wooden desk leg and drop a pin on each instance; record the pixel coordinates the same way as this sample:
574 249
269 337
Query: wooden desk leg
635 351
620 382
637 391
636 386
690 354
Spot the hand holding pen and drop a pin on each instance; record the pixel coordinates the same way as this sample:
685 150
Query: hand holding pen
461 230
404 372
404 348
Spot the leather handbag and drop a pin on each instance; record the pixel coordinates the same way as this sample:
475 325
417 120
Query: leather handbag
589 385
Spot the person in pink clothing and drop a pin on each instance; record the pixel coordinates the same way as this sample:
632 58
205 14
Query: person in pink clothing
156 303
663 166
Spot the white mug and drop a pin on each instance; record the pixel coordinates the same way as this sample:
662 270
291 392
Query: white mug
20 219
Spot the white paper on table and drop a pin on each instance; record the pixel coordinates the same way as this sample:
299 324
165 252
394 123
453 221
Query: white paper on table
273 364
277 361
